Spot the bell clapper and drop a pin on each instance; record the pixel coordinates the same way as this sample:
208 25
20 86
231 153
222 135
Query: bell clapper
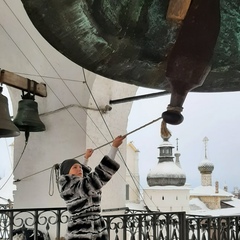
189 61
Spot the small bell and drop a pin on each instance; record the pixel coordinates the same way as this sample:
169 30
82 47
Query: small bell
27 118
7 127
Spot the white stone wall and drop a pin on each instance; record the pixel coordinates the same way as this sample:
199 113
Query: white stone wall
167 199
206 179
132 177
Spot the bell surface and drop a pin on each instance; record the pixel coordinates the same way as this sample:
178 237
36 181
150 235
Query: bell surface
7 127
130 41
27 118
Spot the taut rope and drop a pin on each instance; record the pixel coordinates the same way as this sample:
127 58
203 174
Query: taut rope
164 133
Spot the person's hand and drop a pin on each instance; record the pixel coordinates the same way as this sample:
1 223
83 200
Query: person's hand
88 153
118 141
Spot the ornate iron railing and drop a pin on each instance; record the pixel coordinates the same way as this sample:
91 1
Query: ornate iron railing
50 224
214 228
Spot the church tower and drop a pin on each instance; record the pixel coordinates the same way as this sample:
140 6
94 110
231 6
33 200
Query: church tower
167 172
167 190
206 168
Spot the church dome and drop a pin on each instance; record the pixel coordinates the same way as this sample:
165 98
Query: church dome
167 172
205 166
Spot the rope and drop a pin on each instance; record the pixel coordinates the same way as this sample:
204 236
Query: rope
26 142
54 172
124 135
122 158
18 180
174 108
165 133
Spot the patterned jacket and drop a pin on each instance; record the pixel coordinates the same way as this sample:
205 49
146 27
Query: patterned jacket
83 197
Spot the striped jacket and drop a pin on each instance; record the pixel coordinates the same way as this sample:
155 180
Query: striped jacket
83 198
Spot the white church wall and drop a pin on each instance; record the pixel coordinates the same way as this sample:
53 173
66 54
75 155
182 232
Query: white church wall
167 198
132 176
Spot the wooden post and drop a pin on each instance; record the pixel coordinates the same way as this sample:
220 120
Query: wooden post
177 9
19 82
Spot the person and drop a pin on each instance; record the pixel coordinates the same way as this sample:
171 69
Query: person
81 189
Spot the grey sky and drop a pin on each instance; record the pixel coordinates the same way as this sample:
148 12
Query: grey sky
214 115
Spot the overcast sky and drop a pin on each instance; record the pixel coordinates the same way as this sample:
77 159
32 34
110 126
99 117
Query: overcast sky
212 115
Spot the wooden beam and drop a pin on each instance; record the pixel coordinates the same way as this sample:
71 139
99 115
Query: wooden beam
19 82
177 9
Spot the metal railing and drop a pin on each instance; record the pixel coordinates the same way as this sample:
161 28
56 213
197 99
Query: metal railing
214 228
50 224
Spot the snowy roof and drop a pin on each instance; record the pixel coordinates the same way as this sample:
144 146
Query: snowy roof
169 187
166 144
205 166
166 173
136 206
217 212
166 169
209 191
234 202
197 204
197 207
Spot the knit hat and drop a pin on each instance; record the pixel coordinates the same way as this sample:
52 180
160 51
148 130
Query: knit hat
66 166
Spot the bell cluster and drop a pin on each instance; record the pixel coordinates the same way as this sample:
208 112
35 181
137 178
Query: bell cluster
26 120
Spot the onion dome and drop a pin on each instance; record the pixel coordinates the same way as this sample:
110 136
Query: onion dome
205 166
166 172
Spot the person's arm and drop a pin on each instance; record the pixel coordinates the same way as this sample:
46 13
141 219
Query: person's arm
87 155
114 148
112 153
104 170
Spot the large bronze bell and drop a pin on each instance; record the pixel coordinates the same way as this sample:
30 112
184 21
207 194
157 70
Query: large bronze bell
7 127
27 118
